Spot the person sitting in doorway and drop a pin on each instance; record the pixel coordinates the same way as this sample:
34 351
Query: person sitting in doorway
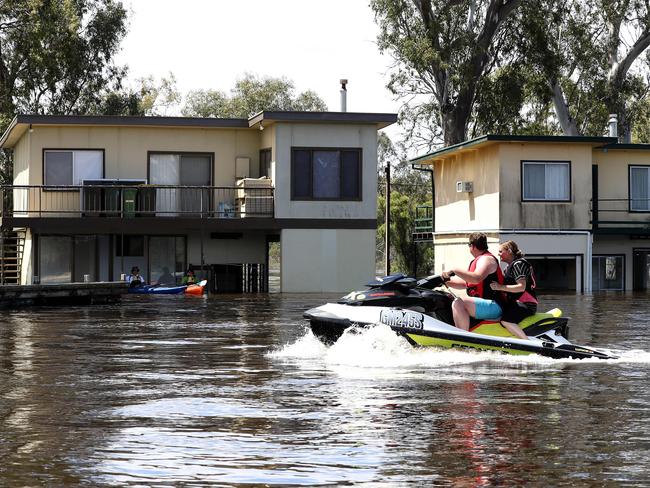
166 278
134 279
189 278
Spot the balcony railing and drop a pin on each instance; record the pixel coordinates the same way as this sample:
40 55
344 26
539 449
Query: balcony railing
132 201
423 219
624 214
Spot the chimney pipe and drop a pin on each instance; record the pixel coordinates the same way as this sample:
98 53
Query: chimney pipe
613 125
344 96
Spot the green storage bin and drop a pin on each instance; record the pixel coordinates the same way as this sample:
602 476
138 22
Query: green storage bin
128 201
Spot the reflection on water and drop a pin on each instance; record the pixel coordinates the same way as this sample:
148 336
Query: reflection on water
231 390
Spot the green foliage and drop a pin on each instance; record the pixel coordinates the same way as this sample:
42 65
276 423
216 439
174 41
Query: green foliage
442 50
251 95
402 221
56 57
542 67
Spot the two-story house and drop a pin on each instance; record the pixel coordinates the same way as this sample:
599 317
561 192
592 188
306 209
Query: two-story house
94 196
578 207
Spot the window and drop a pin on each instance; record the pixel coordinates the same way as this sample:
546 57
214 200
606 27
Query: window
72 167
133 246
546 181
639 188
326 174
181 170
607 273
265 163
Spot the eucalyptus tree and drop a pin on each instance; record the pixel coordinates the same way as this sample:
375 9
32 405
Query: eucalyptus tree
251 94
57 56
442 49
589 55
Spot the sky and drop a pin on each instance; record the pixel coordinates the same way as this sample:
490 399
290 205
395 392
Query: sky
208 44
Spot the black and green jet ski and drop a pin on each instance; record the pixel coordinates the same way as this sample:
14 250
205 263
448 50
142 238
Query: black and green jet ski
422 314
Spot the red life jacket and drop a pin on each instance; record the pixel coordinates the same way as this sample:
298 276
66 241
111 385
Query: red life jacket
482 289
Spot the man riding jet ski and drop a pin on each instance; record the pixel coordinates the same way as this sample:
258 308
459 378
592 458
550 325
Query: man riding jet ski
423 315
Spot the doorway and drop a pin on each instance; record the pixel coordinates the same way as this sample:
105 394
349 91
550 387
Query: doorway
640 269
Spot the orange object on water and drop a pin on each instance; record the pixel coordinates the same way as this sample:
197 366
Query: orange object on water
196 289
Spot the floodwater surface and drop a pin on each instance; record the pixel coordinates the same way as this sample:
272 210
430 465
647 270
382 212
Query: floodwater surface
168 390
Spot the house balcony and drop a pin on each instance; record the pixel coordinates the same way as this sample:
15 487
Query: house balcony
423 223
122 207
622 216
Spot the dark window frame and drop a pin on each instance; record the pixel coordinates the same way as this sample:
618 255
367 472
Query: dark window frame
269 151
629 187
609 256
72 149
545 161
311 150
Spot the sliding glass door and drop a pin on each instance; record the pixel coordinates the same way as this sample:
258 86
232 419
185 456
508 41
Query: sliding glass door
180 170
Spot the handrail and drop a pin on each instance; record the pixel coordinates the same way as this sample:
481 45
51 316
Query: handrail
137 200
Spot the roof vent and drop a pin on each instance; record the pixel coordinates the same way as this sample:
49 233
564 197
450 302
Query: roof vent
344 96
612 124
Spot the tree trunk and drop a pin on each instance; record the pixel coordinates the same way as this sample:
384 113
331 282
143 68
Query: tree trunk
568 123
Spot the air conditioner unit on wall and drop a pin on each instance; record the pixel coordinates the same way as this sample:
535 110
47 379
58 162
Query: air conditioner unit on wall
464 187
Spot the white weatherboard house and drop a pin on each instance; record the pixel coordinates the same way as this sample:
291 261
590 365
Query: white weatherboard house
94 196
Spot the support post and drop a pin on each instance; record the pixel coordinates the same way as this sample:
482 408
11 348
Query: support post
594 197
387 222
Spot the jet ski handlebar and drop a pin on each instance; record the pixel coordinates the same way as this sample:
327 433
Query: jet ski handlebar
433 281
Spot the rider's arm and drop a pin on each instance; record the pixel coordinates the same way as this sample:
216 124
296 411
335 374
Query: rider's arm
484 267
518 288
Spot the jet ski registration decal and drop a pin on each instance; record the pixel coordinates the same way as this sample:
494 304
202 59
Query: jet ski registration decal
402 318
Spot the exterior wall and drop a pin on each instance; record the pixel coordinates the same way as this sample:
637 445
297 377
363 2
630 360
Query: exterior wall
468 211
516 214
330 260
22 157
613 183
126 148
21 172
325 136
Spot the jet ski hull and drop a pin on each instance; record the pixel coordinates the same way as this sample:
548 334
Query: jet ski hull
329 322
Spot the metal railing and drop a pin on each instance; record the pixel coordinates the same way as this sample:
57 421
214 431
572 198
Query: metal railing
620 212
423 219
137 200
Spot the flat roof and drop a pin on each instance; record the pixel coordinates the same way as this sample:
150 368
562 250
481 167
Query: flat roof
494 138
381 120
21 122
625 147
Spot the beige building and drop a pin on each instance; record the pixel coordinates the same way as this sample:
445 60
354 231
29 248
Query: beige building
579 207
94 196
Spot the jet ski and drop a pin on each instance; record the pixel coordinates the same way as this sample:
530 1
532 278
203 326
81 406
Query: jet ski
420 311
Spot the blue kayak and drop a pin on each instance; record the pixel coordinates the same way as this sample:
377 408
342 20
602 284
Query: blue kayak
158 290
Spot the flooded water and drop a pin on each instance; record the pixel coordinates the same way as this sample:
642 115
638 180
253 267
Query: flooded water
232 391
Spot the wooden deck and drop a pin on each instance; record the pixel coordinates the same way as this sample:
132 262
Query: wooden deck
61 294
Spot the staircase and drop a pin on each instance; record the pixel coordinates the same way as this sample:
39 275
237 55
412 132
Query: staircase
11 254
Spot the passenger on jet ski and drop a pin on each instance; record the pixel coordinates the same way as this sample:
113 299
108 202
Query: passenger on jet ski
482 302
519 288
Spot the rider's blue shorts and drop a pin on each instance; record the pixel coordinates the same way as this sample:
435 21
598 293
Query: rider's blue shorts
487 309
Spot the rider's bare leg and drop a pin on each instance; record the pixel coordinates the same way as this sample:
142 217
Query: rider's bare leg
514 329
460 313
